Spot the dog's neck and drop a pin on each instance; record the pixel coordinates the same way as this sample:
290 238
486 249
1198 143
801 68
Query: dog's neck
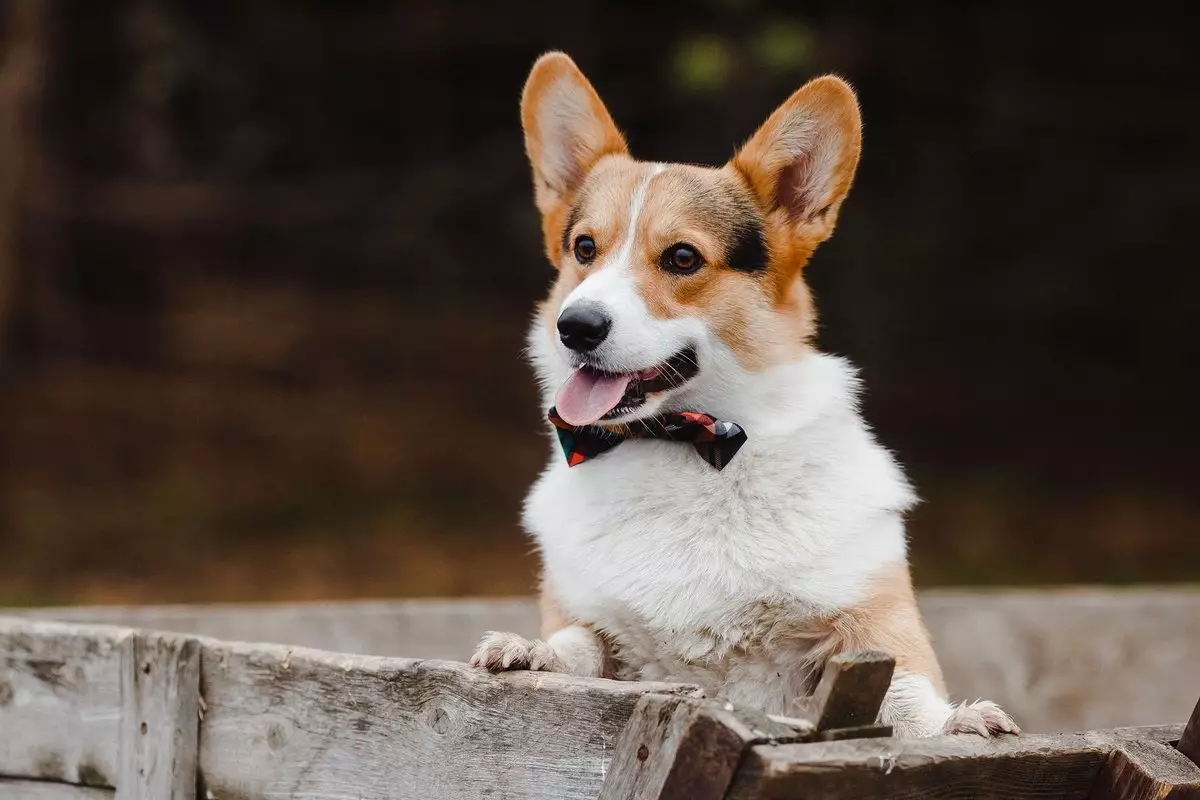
782 399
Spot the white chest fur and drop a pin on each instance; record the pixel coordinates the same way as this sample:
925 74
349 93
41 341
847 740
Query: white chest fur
694 572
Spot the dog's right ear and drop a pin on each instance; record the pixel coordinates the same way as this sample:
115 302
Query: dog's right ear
567 130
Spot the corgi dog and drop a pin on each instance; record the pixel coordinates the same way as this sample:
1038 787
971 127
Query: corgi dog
722 516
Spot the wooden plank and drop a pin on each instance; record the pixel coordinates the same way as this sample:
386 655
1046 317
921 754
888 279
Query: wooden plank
856 732
1189 741
160 721
851 690
433 629
291 723
1147 771
675 748
1029 766
1057 660
649 745
11 789
60 687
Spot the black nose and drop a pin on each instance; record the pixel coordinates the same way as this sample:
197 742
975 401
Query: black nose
582 327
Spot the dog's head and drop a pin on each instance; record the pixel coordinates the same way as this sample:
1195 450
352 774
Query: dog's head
672 278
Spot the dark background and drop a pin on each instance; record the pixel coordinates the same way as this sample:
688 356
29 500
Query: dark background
265 270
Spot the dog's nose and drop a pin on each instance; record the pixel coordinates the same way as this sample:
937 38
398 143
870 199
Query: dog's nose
583 327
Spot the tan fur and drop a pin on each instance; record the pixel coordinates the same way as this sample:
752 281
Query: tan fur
551 611
794 174
764 319
888 620
760 326
826 110
593 137
692 204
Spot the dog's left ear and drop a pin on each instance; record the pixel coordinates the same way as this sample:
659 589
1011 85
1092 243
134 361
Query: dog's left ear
801 162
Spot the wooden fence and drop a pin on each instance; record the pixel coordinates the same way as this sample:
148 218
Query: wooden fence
92 711
1059 660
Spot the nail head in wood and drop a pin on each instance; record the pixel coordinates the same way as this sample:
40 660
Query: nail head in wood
676 748
160 728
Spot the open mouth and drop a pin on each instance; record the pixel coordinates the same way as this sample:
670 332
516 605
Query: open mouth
591 395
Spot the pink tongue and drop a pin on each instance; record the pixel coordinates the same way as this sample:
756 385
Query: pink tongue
586 396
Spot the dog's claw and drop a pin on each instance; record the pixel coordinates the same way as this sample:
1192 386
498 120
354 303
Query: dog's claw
981 718
499 652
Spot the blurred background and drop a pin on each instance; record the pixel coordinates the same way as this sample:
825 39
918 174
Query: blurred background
265 271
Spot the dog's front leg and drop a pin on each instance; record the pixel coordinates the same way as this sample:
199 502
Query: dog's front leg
567 646
916 702
915 706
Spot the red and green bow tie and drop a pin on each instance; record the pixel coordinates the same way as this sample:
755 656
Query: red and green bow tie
717 442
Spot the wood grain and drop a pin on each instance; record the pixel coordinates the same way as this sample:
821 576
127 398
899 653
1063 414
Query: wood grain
649 747
851 689
159 717
962 767
1189 741
60 688
11 789
295 723
676 748
1147 771
291 723
1058 660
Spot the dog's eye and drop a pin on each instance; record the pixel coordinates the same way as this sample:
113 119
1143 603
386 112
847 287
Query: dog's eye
681 258
585 249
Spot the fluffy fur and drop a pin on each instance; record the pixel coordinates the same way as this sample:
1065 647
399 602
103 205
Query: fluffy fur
744 581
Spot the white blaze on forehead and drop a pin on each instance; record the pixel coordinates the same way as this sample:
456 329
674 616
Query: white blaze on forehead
637 339
605 283
625 251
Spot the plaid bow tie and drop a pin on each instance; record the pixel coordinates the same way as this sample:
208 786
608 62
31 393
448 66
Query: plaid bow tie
717 442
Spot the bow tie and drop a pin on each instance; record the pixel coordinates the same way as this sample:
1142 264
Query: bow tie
717 442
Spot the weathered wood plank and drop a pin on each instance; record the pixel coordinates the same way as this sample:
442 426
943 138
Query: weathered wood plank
1147 771
60 693
291 723
856 732
851 690
160 721
1029 766
676 748
1189 741
1058 660
48 790
649 746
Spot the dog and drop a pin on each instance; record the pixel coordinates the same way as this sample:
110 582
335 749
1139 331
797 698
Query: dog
715 510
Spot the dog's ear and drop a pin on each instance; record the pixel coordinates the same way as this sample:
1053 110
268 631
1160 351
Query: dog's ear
801 162
567 130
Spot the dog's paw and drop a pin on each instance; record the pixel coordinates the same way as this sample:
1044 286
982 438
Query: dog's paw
498 652
982 718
